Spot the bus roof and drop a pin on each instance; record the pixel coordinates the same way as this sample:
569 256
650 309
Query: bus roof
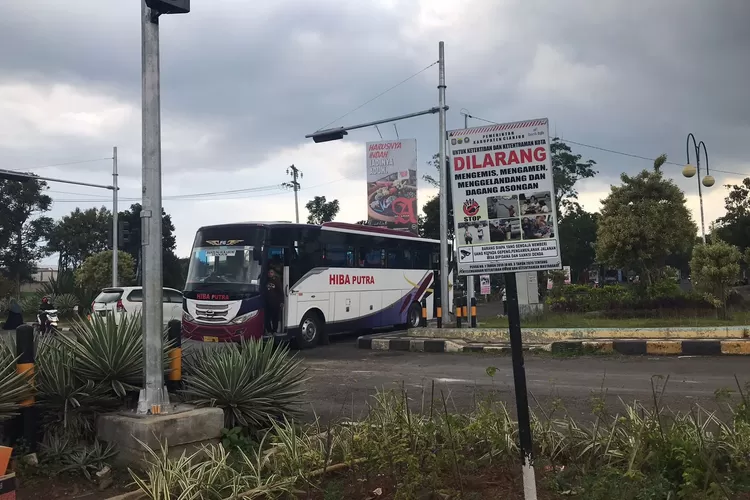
334 226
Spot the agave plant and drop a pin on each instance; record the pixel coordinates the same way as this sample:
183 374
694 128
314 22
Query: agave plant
68 402
108 353
253 383
14 387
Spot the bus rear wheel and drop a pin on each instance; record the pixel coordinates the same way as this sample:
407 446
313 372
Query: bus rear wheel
310 330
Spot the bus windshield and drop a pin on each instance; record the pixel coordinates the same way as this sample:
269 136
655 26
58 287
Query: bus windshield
219 267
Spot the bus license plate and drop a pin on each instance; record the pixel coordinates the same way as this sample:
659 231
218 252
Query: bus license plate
210 339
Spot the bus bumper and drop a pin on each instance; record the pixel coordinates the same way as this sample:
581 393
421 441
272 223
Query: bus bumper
252 329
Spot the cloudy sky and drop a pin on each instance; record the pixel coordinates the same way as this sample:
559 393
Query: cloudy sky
243 82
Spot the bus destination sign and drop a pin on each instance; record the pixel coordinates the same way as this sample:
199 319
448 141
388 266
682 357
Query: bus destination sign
504 198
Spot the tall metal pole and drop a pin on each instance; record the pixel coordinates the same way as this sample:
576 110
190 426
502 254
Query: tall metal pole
295 173
444 291
151 224
115 232
519 379
700 194
469 279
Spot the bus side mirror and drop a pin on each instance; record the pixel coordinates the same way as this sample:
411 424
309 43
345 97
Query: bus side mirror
256 254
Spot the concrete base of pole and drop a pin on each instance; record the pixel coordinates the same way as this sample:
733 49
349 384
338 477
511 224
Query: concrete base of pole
186 428
529 482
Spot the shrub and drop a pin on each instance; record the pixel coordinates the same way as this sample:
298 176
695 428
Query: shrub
253 382
65 303
642 452
663 294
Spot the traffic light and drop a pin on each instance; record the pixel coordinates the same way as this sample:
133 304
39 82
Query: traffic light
10 175
123 233
169 6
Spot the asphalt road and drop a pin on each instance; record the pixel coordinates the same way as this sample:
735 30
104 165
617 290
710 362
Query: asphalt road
342 378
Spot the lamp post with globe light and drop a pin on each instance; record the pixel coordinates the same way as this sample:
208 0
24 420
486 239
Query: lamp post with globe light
691 170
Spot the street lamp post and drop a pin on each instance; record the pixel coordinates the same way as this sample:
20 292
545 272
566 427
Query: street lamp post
154 393
335 134
690 171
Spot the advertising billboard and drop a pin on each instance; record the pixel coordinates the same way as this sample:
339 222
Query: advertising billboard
392 184
504 198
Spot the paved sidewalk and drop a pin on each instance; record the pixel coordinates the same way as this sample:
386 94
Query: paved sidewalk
656 347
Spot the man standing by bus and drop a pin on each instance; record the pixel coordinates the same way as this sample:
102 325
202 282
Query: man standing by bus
274 299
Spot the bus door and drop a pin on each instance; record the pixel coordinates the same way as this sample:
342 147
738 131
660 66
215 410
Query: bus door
278 260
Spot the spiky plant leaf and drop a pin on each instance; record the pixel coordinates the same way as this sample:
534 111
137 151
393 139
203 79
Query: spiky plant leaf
252 383
14 387
68 402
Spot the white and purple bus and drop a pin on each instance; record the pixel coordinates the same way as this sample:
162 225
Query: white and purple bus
335 278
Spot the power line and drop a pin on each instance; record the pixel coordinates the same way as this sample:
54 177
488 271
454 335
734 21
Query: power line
59 165
622 153
379 95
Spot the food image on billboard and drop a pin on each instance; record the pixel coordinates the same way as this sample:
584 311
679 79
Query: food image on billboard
392 184
504 198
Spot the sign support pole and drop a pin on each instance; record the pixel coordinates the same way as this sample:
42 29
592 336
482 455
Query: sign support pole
444 291
519 380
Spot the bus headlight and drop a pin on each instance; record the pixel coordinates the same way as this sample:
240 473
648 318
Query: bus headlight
186 316
244 317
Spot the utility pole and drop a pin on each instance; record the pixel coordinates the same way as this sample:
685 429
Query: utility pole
444 290
115 229
296 174
153 394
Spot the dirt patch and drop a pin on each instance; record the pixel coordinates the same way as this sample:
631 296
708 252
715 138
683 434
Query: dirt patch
487 484
68 487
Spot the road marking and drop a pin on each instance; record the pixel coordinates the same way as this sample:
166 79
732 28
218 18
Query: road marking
362 371
453 381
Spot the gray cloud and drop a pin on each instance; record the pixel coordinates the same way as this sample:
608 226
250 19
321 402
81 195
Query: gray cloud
241 83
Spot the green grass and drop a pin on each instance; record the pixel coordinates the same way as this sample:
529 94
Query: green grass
584 321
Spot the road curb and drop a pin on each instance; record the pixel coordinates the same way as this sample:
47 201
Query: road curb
655 347
380 343
627 347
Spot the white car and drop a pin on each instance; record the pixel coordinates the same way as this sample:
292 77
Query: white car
128 300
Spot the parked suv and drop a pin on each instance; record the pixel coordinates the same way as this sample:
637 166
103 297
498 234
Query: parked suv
128 300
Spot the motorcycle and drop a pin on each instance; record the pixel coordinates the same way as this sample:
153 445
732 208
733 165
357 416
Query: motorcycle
50 323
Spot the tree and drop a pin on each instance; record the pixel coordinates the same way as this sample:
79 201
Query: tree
429 225
642 222
567 170
79 235
734 226
321 211
578 240
171 270
714 269
96 271
20 234
659 162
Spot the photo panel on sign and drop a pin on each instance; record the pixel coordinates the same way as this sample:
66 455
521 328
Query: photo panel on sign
503 230
502 207
539 203
538 227
473 233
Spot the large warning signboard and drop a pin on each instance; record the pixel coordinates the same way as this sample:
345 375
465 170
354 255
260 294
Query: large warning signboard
504 198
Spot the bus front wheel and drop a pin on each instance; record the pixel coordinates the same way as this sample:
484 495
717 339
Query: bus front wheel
414 318
311 329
